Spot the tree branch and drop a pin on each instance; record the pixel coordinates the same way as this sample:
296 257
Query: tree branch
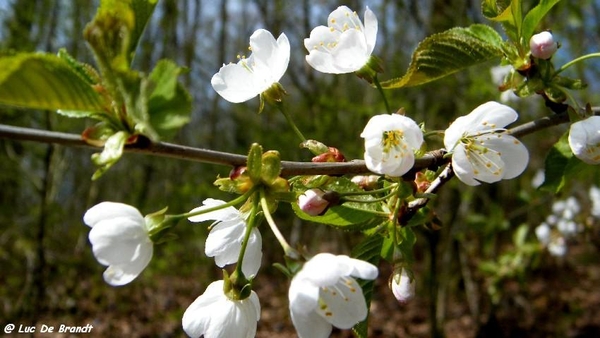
289 168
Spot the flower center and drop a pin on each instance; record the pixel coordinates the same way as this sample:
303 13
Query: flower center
593 152
482 158
393 139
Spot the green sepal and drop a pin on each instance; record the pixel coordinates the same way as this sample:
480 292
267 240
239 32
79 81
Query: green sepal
271 167
46 81
159 225
254 163
448 52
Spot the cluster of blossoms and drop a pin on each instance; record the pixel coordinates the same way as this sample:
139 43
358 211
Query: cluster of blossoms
566 222
324 292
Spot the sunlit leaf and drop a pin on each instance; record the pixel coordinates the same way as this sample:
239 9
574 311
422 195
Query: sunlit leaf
45 81
448 52
169 104
534 16
142 10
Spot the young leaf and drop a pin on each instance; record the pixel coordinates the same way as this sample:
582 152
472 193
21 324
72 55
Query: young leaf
508 13
555 165
533 18
169 104
142 10
45 81
448 52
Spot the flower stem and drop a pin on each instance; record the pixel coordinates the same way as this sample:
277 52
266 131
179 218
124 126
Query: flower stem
380 89
579 59
249 226
231 203
289 120
287 249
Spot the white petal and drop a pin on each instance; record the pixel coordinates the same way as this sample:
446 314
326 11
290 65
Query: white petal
303 295
514 154
310 325
197 317
236 83
360 268
584 139
350 54
122 274
253 254
116 241
109 210
462 167
345 304
370 30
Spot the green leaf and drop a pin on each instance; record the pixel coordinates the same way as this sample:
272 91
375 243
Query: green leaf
555 165
448 52
142 10
533 18
508 13
254 163
45 81
169 104
348 215
367 250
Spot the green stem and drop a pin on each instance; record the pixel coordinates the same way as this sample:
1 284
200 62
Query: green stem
380 89
369 192
249 226
579 59
231 203
287 249
289 120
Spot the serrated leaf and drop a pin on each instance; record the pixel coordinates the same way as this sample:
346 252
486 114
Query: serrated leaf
448 52
367 250
533 18
45 81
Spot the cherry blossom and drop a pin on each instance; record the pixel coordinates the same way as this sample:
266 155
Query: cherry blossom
390 144
345 45
214 315
224 241
482 150
584 139
120 240
324 294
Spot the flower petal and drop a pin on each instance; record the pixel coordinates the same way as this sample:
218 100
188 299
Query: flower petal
514 154
344 304
108 210
462 166
121 274
225 214
310 325
370 30
235 83
116 241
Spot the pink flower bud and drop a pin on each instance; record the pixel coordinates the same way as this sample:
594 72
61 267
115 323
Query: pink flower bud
312 202
542 45
402 286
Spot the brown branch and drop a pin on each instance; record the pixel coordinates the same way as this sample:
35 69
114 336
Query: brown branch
432 159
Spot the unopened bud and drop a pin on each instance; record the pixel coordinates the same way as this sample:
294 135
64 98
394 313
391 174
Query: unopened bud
312 202
402 286
542 45
367 182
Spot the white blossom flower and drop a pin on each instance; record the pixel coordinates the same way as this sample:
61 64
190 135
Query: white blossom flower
324 294
402 286
224 241
390 144
214 315
542 45
482 149
345 45
239 82
120 240
584 140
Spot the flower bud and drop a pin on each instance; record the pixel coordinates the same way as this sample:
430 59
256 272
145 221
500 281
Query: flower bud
542 45
402 286
367 182
312 202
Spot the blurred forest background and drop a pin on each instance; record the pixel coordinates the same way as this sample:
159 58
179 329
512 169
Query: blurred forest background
476 276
